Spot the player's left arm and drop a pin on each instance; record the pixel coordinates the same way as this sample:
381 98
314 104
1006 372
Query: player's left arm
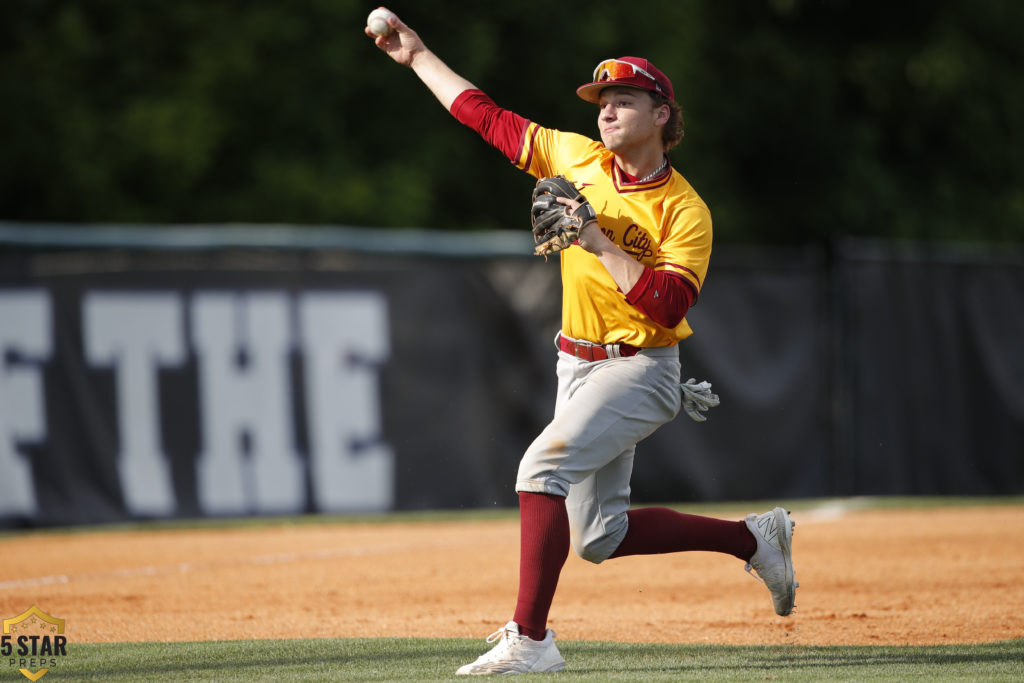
624 269
680 266
662 296
666 291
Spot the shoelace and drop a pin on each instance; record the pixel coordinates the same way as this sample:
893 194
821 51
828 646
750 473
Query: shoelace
498 635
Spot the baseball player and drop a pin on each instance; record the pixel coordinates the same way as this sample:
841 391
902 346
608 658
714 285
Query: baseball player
636 266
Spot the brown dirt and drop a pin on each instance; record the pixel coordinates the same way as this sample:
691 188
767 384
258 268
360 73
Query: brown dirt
867 577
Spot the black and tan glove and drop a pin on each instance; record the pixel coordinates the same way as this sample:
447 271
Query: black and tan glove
554 227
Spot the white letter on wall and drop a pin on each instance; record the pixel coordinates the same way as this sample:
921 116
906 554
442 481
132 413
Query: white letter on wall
345 338
25 335
243 343
137 333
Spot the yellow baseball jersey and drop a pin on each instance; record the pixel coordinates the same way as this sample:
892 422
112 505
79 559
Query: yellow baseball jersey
663 223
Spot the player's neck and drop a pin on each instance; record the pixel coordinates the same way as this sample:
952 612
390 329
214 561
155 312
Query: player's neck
644 165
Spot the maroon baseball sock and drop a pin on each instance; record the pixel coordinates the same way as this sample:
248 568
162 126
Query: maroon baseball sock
653 531
543 549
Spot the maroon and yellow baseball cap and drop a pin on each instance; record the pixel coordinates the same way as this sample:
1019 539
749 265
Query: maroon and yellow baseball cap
633 72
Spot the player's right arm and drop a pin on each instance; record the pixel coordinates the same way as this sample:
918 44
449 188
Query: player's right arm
406 47
500 127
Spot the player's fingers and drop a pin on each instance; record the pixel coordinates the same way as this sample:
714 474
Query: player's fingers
379 41
570 204
396 23
391 43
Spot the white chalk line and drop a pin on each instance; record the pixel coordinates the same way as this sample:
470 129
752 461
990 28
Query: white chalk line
828 511
832 510
252 560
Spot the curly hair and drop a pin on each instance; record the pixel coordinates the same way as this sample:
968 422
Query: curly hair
672 133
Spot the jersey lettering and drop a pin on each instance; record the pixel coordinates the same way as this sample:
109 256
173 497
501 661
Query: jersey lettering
637 243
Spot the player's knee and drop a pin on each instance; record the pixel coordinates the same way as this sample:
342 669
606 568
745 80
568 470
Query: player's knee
591 554
595 540
592 550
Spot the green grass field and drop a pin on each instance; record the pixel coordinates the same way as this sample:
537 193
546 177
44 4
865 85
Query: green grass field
399 659
404 659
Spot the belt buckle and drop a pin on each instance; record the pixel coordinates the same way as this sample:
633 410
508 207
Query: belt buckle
582 350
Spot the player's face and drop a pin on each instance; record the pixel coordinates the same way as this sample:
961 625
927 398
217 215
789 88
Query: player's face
628 119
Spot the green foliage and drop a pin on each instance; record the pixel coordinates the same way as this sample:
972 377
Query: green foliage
406 659
806 119
880 119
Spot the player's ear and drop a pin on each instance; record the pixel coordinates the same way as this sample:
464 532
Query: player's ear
662 111
663 115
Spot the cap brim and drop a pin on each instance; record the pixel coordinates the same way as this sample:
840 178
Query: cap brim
591 92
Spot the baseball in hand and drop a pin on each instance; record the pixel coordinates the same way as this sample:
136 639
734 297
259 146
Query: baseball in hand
378 22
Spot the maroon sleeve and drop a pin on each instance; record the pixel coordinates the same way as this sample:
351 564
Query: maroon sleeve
662 296
500 127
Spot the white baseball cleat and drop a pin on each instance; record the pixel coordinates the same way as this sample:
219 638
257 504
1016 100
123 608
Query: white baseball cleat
516 654
773 560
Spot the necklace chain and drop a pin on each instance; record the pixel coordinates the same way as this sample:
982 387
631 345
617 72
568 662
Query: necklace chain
655 172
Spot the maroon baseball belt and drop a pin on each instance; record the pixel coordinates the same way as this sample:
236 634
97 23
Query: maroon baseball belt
589 351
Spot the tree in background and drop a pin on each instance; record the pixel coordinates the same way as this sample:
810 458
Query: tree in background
805 119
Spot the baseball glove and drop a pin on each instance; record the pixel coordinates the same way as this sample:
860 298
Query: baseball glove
554 228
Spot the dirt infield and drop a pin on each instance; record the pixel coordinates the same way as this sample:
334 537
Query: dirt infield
908 576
